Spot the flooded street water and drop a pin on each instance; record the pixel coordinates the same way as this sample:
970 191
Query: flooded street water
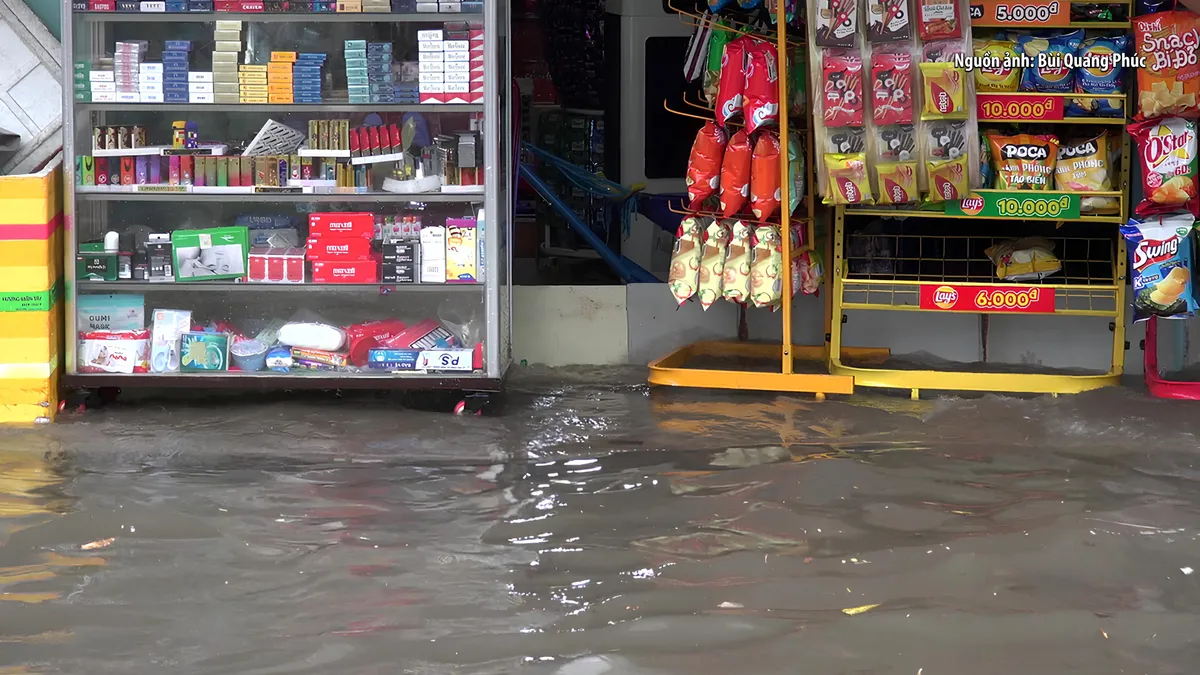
601 527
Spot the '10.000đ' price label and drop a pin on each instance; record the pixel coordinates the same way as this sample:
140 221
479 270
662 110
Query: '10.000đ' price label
1016 107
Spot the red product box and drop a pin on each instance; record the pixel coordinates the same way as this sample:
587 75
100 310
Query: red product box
363 337
321 225
339 248
433 98
276 265
345 272
102 5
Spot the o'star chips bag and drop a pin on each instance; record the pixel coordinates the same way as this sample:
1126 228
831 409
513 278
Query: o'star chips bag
897 182
704 164
1084 167
948 180
945 91
1162 262
1170 82
684 278
1167 148
848 183
1024 161
1052 74
735 174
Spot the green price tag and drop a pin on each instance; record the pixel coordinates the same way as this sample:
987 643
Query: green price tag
1017 204
41 301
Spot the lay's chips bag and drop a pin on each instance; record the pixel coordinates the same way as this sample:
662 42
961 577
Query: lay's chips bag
998 74
1100 72
1051 73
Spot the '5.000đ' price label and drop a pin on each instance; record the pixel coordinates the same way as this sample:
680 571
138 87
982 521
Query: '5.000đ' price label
1031 13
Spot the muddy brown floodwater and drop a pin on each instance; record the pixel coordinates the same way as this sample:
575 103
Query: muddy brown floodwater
601 527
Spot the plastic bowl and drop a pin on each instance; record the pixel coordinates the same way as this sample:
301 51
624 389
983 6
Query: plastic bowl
251 357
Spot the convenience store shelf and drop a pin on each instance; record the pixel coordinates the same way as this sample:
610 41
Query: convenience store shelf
331 106
277 17
271 380
277 197
235 287
916 213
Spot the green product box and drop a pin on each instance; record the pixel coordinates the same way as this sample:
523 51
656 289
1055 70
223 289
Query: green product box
204 352
83 96
212 253
96 266
83 67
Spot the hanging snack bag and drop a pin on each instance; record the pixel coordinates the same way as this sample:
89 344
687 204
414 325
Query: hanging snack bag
1167 148
798 177
1052 71
846 141
946 139
945 91
765 192
1024 161
716 53
948 179
735 174
891 84
837 23
1084 167
732 84
848 182
684 278
888 21
704 164
1101 72
986 175
938 19
807 273
1162 261
843 87
999 72
712 263
897 182
1170 82
798 81
1153 6
896 143
761 102
735 286
766 272
942 51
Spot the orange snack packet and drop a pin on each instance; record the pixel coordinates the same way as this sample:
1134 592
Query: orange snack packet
765 190
1170 82
735 174
704 164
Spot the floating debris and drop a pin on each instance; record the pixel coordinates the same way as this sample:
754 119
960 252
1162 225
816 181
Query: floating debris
851 611
98 544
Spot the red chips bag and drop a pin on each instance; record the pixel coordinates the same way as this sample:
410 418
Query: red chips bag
735 174
1168 149
843 87
733 79
765 173
891 83
762 88
704 164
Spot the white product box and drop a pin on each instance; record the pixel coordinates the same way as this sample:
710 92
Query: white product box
433 271
431 57
150 78
127 97
200 87
458 88
150 68
458 77
200 98
458 56
458 67
432 78
148 97
430 35
229 25
431 46
103 86
102 76
456 46
150 89
200 76
104 97
433 243
430 7
430 67
449 7
431 88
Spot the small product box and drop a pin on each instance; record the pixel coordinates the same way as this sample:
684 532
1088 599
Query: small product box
213 253
276 265
96 266
110 312
398 273
402 252
361 225
203 352
339 248
168 327
160 258
347 272
433 243
393 359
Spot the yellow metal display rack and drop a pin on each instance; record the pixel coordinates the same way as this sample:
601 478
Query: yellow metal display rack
673 369
939 265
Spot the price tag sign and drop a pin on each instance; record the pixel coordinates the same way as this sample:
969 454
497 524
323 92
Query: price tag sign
987 299
1017 204
1019 108
1021 13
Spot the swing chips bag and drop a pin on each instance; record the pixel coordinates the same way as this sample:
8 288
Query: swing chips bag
1162 264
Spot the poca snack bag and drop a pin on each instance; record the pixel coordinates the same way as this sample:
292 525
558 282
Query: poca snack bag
1162 265
712 262
766 272
1170 82
731 85
761 98
1024 161
735 174
1085 166
735 286
684 278
1167 150
704 164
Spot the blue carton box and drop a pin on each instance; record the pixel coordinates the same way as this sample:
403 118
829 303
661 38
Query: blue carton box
174 56
175 86
356 44
178 45
175 77
393 359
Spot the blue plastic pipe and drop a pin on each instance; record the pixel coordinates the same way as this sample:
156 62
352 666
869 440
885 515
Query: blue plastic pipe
629 271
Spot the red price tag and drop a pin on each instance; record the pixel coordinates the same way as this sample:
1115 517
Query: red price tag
988 299
1018 107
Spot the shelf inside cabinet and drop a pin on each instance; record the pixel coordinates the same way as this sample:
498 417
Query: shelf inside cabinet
277 17
274 197
234 287
331 106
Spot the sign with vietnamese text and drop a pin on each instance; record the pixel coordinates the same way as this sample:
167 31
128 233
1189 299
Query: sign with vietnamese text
1030 204
988 299
1025 13
1019 107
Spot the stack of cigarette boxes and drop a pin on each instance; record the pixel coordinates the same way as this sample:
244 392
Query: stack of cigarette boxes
150 83
339 247
174 70
83 82
228 37
279 77
127 64
450 64
369 72
476 44
306 77
253 83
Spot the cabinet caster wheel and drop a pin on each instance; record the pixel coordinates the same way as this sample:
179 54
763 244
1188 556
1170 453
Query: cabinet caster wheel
82 400
473 404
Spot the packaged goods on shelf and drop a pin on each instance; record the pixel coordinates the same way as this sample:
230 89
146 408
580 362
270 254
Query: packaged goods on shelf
1163 265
